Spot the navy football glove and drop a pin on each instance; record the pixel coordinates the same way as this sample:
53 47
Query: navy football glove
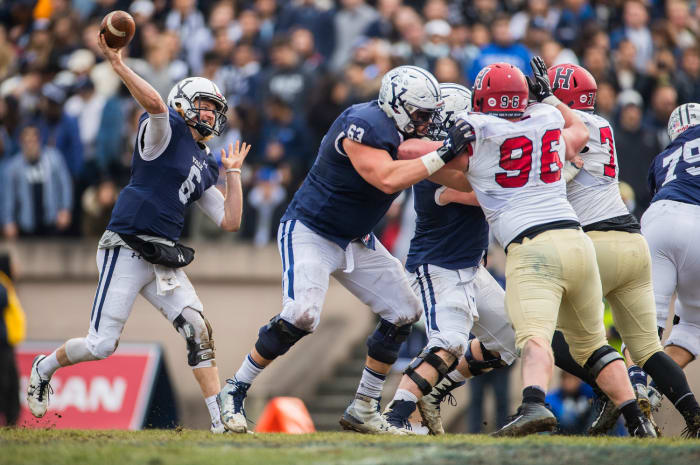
458 137
539 85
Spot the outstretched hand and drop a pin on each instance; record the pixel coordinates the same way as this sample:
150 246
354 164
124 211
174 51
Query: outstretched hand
113 55
234 158
539 85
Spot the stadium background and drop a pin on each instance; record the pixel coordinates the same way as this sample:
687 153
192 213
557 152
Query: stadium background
287 68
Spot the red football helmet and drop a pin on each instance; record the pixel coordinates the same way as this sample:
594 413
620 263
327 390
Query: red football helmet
500 89
573 85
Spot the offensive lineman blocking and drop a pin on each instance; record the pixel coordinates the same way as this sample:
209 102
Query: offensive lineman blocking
459 295
327 230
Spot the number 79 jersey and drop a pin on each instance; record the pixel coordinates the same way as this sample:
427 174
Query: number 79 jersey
594 192
675 173
516 170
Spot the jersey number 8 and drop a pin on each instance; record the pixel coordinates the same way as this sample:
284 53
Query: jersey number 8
516 156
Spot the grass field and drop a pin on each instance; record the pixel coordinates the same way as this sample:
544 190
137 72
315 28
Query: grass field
170 447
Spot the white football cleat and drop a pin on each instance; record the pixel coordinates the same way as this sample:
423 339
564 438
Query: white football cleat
429 405
38 390
363 416
218 428
231 401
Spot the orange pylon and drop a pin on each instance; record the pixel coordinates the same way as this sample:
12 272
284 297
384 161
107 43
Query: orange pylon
285 415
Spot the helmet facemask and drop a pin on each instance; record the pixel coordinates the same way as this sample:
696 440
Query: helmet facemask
194 118
430 120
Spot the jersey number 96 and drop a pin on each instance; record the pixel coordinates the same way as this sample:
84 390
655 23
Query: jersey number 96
516 156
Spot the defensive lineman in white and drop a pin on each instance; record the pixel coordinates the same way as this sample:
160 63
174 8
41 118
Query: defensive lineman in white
551 275
622 255
171 169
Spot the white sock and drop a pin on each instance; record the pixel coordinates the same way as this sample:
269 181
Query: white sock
455 376
214 412
403 394
248 371
48 366
371 383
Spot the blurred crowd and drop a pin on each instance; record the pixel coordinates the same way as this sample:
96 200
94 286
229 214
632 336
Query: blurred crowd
288 68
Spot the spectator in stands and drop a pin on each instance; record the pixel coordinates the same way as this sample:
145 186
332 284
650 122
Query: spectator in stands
411 48
266 198
188 21
626 74
575 16
285 78
37 194
97 202
571 404
605 101
687 79
350 22
437 32
502 49
12 332
58 129
312 62
663 101
636 147
636 29
286 141
309 14
448 70
242 75
383 26
480 11
680 26
541 10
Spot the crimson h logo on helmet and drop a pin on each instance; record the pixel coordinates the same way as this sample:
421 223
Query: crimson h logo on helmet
562 78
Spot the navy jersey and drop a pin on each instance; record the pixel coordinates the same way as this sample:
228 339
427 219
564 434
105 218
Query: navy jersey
334 200
674 173
453 236
154 201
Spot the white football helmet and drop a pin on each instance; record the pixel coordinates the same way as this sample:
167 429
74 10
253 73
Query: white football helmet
457 98
184 95
682 118
411 97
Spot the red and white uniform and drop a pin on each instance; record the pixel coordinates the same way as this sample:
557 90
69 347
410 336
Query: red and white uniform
516 170
594 191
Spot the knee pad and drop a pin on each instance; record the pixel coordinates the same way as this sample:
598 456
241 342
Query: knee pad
197 331
479 367
428 356
384 343
449 341
277 337
77 350
104 348
602 357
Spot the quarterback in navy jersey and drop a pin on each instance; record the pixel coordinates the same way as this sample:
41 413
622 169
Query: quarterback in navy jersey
327 230
138 253
671 225
458 294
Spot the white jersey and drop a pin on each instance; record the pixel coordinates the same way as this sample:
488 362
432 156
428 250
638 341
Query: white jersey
594 191
516 170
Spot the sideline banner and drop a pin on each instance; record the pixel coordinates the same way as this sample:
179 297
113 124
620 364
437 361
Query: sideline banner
113 393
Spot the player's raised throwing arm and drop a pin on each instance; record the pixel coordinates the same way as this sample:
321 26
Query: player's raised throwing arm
575 133
141 90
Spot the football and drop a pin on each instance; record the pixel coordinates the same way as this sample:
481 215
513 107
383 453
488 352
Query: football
118 28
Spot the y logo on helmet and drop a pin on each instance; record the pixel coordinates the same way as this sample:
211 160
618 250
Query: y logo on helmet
562 78
480 78
396 97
